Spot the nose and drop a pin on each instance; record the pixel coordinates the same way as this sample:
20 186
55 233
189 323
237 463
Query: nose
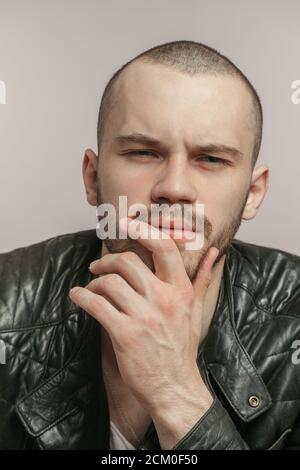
174 183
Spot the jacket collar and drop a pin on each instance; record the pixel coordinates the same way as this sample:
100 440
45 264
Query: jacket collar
70 409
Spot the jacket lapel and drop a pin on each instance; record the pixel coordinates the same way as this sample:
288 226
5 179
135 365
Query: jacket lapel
227 360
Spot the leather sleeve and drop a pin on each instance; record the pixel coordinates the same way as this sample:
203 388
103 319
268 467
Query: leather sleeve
214 431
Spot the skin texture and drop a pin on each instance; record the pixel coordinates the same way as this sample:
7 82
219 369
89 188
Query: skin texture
154 299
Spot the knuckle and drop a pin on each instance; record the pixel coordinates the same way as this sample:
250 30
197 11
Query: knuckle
152 322
176 301
205 276
127 338
110 280
167 245
206 280
127 257
168 302
157 290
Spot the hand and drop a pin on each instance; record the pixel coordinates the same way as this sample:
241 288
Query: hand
154 320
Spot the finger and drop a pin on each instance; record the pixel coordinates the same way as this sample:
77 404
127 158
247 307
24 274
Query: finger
99 308
130 266
203 277
167 259
119 292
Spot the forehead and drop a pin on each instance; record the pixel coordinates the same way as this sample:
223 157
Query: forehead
173 106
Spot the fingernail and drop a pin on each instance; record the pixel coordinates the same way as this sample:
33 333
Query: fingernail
93 264
74 289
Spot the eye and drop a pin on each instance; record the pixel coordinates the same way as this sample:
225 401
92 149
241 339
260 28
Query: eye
213 160
145 153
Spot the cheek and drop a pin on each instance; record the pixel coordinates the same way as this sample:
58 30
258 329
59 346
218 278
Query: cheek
117 180
225 203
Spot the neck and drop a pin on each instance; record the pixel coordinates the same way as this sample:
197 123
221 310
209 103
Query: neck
212 294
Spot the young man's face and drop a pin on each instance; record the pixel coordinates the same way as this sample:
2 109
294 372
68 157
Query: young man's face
185 114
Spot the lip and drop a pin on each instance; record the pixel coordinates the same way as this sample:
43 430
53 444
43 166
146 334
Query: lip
173 225
179 235
180 231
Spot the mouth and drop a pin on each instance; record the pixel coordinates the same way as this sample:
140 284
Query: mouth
179 230
174 224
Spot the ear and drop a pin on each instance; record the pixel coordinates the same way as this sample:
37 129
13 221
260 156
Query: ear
89 173
258 189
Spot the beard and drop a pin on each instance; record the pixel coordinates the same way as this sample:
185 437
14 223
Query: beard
192 259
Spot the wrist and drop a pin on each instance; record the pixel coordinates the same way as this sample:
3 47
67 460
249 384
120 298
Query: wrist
175 415
173 401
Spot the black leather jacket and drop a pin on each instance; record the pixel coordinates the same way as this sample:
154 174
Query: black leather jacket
52 394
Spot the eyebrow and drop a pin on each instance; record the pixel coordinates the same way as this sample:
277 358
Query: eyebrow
142 139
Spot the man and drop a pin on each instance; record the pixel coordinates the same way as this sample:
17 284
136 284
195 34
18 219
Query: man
157 346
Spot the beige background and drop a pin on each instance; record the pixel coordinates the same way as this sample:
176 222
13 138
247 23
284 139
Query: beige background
56 57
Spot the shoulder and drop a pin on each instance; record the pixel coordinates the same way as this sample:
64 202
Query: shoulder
270 276
35 279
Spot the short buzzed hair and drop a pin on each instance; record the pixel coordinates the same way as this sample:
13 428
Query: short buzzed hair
191 58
